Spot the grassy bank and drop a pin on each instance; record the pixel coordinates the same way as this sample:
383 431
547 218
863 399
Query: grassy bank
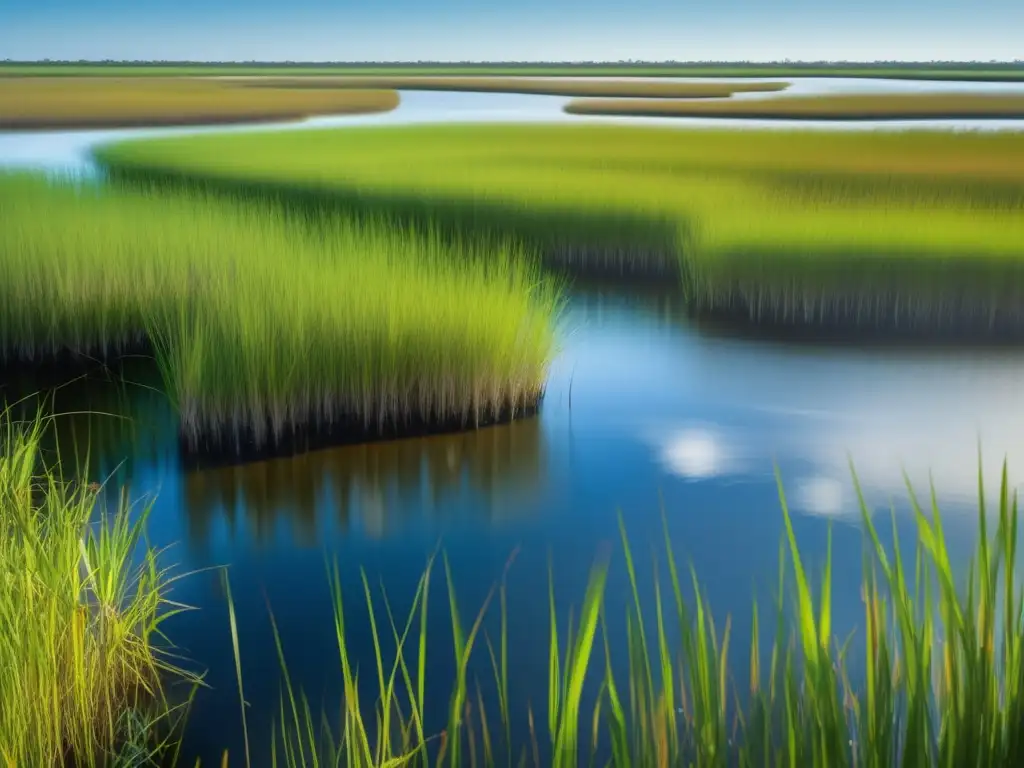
965 71
81 670
909 106
550 87
269 331
32 103
919 230
939 654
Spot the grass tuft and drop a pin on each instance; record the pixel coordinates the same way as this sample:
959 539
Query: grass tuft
273 331
83 598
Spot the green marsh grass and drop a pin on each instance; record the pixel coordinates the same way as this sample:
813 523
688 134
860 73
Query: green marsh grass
908 229
263 325
83 663
895 106
106 102
942 678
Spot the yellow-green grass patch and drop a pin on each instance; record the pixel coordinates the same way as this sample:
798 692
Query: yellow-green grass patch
913 227
82 670
889 106
269 330
39 103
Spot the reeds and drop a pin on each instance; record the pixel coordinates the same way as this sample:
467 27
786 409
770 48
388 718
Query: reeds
910 230
886 106
942 681
108 102
266 327
82 600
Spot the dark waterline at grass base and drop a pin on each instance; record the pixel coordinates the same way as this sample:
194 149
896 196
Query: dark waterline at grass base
886 319
33 383
215 449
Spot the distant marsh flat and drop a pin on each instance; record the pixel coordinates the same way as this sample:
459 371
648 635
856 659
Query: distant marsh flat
551 87
909 106
39 103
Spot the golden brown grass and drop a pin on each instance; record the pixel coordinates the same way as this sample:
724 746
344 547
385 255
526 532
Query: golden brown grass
35 103
549 87
923 106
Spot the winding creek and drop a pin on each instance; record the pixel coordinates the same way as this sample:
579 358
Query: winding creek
644 409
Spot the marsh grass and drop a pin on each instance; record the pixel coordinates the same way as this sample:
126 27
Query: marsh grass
546 86
909 231
942 678
83 663
265 326
38 103
897 106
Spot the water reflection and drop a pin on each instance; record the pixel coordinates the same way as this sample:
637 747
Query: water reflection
377 488
112 416
715 404
917 416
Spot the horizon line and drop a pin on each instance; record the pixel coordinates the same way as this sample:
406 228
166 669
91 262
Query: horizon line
529 62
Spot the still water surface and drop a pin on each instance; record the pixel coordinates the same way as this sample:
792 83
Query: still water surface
646 413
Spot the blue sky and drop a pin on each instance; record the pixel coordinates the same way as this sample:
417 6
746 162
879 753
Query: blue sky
451 30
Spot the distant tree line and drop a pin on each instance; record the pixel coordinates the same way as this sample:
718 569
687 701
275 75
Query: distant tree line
787 64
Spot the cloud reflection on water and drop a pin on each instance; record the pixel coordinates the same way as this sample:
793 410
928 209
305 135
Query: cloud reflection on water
930 437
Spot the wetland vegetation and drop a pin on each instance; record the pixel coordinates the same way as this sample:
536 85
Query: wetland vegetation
913 231
105 102
82 659
889 106
270 331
